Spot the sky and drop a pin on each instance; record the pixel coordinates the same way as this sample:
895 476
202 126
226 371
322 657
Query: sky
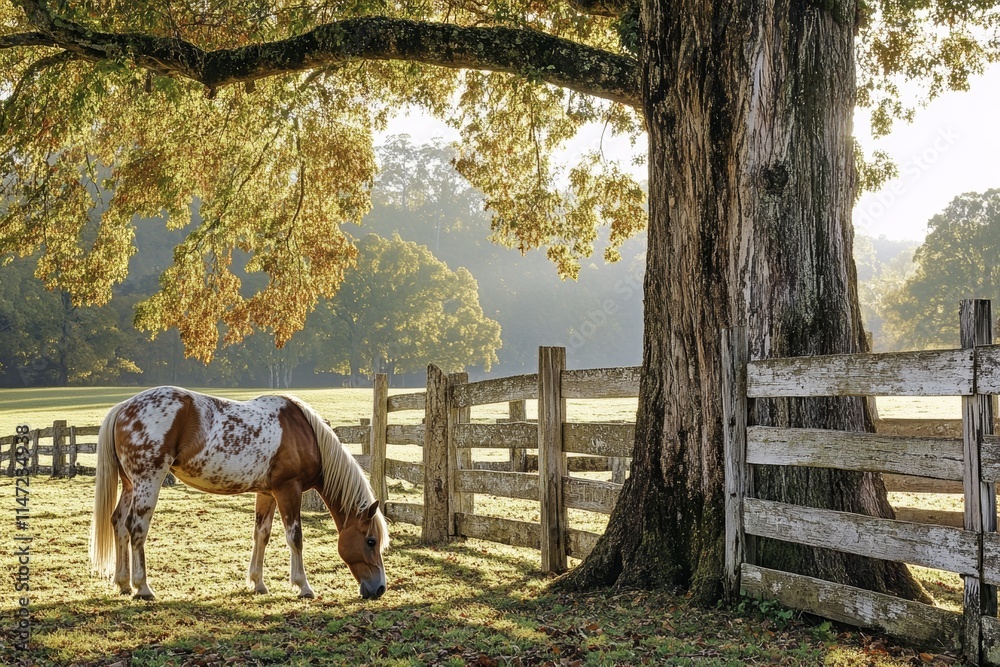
951 147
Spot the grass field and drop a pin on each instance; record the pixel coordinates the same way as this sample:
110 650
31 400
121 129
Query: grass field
465 603
86 406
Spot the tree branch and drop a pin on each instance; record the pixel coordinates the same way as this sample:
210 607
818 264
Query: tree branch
25 39
613 8
530 53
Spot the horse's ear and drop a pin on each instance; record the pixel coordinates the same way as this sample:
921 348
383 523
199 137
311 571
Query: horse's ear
372 510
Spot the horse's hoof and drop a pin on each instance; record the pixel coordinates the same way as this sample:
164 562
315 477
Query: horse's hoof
125 592
260 590
145 596
307 596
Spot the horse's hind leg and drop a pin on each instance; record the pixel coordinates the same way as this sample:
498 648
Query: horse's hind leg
289 504
118 520
261 534
145 493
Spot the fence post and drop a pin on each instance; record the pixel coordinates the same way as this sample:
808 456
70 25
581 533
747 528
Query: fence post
71 472
366 442
739 475
58 439
551 459
436 510
380 420
619 465
13 452
459 458
976 328
34 450
517 412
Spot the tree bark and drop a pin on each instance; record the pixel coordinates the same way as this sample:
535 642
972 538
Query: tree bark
751 186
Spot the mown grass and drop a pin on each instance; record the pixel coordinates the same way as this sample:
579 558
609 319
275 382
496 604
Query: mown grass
464 603
84 406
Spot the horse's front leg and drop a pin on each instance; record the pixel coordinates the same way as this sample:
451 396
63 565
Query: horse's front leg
261 535
289 503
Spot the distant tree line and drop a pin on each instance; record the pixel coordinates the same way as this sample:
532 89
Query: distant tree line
428 286
910 293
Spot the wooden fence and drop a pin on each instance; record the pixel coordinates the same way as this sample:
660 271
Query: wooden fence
448 475
64 446
450 478
958 456
970 462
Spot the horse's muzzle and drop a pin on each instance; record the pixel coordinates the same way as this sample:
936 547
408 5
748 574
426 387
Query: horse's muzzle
372 593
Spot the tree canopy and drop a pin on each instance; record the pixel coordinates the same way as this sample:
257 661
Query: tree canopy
276 164
260 115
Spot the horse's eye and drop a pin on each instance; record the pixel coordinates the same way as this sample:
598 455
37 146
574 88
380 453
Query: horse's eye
371 542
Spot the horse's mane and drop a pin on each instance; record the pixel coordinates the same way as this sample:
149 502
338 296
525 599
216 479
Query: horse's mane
343 478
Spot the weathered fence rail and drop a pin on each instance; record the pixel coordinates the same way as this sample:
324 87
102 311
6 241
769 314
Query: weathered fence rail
544 453
966 461
63 448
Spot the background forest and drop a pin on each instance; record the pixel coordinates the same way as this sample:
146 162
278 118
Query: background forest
424 248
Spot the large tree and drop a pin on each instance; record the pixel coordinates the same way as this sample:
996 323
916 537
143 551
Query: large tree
265 109
399 309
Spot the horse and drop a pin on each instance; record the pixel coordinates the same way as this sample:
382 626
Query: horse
274 446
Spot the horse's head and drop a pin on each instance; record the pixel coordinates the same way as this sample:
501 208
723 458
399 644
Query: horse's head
360 545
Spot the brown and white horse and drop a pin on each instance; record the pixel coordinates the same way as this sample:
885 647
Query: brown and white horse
274 446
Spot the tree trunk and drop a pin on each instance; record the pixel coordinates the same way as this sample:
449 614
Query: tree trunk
355 368
62 364
751 185
175 349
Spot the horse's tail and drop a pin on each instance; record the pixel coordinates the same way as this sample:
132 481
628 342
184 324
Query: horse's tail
102 534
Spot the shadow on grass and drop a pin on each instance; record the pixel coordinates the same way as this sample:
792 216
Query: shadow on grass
248 629
468 615
461 603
